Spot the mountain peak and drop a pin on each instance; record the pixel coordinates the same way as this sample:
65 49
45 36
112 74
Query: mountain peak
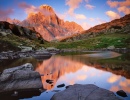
46 7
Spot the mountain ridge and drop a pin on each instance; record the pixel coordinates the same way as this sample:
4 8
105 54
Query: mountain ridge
48 24
116 24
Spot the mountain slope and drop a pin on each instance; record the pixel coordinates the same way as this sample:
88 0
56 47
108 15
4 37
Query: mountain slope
121 25
47 23
12 36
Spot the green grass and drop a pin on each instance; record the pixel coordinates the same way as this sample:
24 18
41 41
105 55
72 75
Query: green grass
98 42
102 41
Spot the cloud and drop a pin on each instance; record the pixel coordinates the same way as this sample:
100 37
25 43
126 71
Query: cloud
112 15
73 4
124 9
28 8
91 19
114 4
100 21
88 6
86 25
80 16
113 79
5 13
61 16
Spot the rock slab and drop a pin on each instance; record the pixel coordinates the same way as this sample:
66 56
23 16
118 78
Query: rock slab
85 92
20 78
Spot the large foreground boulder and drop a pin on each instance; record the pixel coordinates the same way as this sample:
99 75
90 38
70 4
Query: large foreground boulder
85 92
21 79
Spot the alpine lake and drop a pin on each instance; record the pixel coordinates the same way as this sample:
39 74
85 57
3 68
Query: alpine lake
106 69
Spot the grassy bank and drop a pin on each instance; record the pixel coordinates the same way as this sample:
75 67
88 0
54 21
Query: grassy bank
102 41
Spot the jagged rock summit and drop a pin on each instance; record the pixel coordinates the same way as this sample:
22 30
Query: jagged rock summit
49 25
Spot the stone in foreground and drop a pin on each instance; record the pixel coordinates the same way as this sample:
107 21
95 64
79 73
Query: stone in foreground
85 92
20 82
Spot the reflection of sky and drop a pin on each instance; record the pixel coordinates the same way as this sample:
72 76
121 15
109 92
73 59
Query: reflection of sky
70 72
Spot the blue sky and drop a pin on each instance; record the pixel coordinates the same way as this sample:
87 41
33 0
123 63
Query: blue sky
87 13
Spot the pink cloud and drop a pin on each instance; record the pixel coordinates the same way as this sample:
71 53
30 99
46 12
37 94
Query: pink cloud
112 4
88 6
73 4
86 25
28 8
5 13
117 3
113 79
112 15
24 5
80 16
124 9
100 21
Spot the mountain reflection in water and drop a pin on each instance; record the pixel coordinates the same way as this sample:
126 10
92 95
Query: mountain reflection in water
112 74
80 69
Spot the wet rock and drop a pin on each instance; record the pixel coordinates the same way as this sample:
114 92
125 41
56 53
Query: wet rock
55 90
85 92
49 81
61 85
121 93
67 87
20 78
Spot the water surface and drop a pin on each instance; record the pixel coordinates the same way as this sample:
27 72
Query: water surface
111 73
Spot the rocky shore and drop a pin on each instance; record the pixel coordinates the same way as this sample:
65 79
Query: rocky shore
119 50
39 54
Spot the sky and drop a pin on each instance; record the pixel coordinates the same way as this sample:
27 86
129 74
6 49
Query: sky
87 13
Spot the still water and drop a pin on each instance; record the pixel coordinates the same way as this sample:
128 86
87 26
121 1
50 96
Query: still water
107 70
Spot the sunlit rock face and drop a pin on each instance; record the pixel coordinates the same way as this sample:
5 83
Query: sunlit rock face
47 23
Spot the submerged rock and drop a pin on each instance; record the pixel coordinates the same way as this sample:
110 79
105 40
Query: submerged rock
21 79
49 81
61 85
121 93
85 92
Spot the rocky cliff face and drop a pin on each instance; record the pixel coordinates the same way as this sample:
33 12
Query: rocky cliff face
47 23
27 32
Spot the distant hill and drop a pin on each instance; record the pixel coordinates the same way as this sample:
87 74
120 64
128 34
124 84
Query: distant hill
121 25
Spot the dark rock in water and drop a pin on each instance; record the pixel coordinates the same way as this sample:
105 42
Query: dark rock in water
67 87
85 92
49 81
61 85
19 80
55 90
121 93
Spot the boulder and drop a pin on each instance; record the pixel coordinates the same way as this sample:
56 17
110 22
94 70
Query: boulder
121 93
85 92
111 47
20 78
